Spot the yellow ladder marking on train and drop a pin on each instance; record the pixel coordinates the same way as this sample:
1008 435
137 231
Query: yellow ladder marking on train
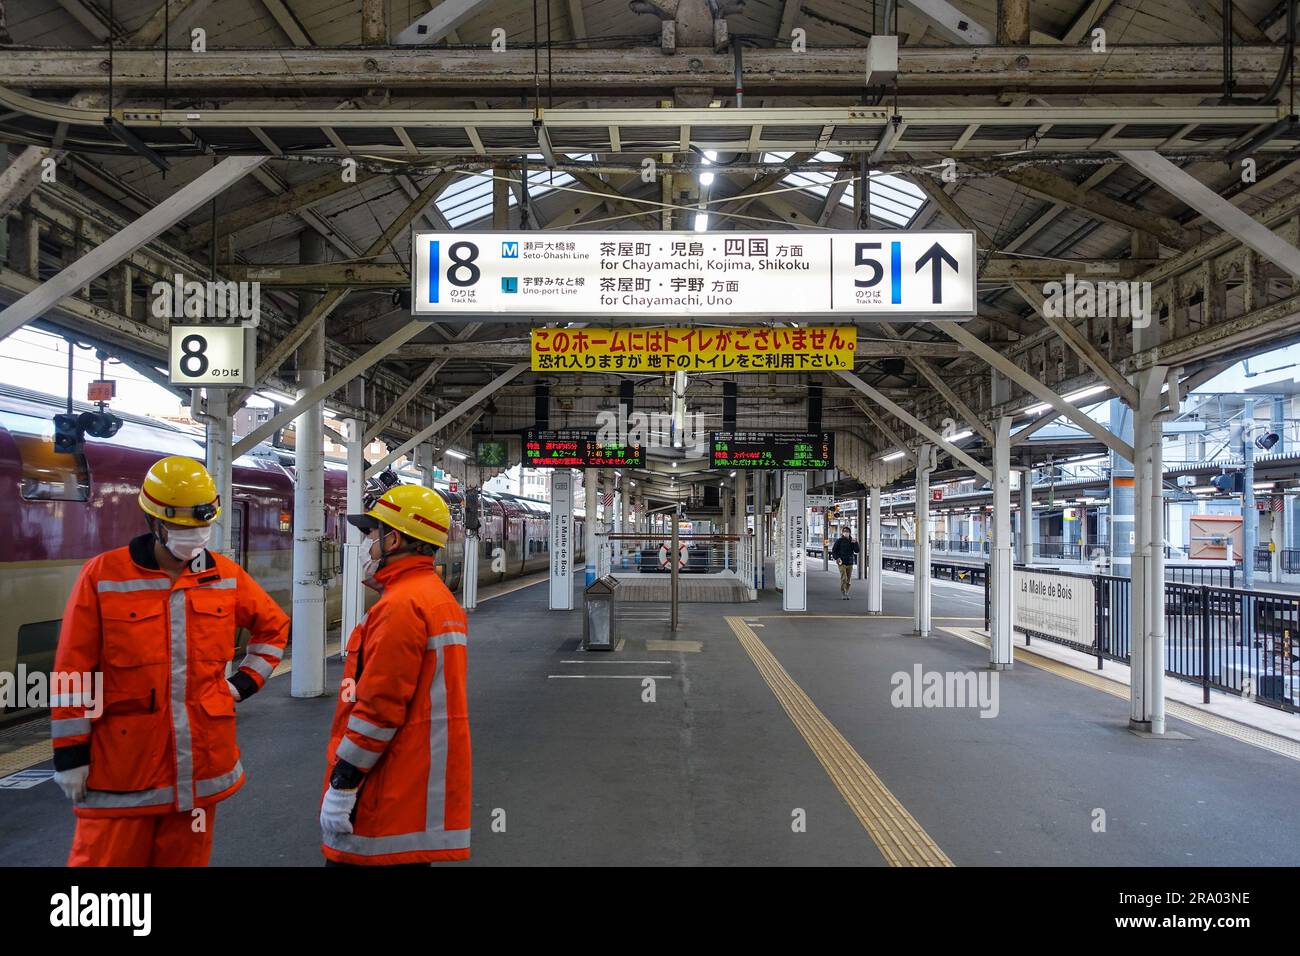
901 839
1245 733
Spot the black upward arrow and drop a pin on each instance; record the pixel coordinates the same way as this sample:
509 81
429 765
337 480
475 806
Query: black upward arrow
932 256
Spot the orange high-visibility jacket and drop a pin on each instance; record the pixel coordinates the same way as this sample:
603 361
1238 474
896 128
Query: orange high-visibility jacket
401 728
163 739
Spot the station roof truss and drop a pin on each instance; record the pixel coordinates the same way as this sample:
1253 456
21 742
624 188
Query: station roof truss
1063 160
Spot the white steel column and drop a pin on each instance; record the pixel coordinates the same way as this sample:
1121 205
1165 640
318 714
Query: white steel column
1001 557
219 463
794 592
354 600
561 543
862 537
1155 669
1140 684
590 486
308 668
760 530
921 580
875 582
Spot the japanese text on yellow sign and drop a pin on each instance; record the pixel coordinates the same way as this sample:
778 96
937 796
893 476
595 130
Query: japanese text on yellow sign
693 349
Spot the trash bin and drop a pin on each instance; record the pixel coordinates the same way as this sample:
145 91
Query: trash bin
599 621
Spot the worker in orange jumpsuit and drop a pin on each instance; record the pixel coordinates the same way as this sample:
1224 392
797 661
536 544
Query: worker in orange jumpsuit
146 762
398 786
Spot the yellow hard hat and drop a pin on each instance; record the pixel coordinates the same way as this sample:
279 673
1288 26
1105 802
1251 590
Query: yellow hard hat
180 490
411 509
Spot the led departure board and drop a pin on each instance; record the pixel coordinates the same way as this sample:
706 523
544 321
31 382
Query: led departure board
781 451
577 449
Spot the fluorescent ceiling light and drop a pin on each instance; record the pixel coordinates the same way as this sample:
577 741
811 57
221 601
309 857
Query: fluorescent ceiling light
274 395
701 222
893 455
960 435
455 454
706 179
1084 393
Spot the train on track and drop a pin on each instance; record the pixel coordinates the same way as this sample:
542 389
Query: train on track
65 508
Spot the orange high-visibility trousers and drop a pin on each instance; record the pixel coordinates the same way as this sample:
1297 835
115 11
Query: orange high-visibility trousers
166 839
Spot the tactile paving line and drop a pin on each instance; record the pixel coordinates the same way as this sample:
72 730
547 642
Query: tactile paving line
1220 725
901 839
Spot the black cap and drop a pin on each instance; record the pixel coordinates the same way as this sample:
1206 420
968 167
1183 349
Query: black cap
366 523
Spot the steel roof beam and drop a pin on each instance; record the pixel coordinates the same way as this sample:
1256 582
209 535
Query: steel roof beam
1186 188
646 72
921 427
120 245
443 420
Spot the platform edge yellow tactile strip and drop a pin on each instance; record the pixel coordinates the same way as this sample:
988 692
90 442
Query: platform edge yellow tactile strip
1254 736
901 839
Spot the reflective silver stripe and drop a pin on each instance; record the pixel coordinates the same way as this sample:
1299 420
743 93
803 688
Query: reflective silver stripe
68 700
435 836
102 799
136 584
401 843
257 666
206 788
224 584
370 730
72 727
270 650
180 713
439 641
357 756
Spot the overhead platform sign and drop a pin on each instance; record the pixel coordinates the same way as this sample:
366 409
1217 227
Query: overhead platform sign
877 275
789 451
587 349
577 449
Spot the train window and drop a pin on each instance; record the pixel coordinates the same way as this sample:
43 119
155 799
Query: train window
47 475
36 645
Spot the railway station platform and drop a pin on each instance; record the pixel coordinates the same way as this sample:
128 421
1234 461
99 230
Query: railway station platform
774 739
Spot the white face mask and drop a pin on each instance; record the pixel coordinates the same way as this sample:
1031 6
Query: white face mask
187 543
369 568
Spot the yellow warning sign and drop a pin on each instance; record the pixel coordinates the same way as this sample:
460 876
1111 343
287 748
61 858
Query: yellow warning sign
819 348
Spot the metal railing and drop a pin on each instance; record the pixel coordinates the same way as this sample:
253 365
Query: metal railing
1224 638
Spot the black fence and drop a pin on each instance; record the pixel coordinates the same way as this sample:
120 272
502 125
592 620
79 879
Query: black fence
1224 638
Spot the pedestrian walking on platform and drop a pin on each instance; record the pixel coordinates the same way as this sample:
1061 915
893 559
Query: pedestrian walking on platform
146 756
845 553
398 786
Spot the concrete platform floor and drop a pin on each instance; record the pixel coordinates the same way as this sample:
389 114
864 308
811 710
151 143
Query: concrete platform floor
757 726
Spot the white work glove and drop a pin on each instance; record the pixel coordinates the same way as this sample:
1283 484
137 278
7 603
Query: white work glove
234 691
73 782
336 810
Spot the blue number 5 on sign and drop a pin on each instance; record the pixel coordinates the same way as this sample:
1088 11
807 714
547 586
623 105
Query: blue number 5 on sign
509 250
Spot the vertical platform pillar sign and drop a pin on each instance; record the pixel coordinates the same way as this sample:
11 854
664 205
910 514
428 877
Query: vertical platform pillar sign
220 446
1028 526
794 535
469 596
591 498
875 558
760 530
861 569
1002 559
561 583
354 600
921 579
740 496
